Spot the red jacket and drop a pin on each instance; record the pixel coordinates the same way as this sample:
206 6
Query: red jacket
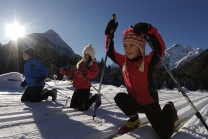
82 77
140 85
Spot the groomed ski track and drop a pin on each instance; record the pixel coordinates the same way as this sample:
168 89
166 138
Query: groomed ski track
56 120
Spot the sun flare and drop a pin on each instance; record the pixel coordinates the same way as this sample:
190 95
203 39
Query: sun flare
14 30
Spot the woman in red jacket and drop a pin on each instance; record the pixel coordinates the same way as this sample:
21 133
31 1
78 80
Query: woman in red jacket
85 71
138 70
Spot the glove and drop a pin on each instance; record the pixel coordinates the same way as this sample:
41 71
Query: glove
63 71
111 27
40 79
141 27
109 33
115 27
23 84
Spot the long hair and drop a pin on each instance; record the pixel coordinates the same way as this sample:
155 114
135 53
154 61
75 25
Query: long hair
87 63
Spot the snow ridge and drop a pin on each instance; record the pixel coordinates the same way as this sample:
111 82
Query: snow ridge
178 56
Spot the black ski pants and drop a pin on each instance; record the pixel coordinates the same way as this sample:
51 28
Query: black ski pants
33 94
80 99
161 123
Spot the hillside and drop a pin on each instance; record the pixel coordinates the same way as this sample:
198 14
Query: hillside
50 37
197 68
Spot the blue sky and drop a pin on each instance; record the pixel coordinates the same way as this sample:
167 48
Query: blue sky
79 22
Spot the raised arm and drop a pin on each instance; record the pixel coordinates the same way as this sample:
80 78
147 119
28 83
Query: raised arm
154 37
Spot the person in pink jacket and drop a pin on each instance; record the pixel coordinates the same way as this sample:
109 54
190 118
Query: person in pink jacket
85 71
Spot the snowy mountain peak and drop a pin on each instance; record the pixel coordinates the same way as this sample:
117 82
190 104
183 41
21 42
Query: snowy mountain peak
50 36
178 56
180 47
57 43
175 45
51 32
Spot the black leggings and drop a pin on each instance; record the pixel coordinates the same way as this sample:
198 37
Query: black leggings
80 99
160 122
33 94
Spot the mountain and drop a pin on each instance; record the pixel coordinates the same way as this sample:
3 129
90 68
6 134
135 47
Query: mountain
189 66
50 36
49 49
197 68
178 56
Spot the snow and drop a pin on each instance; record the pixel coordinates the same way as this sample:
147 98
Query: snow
178 56
55 120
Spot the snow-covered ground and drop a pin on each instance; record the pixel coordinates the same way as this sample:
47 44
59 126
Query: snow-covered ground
55 120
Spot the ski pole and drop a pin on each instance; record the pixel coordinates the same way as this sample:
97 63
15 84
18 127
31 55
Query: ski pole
197 113
58 91
103 70
101 78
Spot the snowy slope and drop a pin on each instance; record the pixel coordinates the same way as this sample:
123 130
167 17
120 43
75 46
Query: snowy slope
52 120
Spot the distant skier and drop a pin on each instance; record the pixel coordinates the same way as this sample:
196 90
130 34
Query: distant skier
85 71
35 73
137 71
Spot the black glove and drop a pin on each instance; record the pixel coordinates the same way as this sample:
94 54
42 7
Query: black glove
23 84
111 25
141 27
115 27
40 79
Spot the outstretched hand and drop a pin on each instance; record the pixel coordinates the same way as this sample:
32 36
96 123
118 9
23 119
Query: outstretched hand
110 35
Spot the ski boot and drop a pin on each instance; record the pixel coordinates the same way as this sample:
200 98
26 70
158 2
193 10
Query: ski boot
44 93
170 110
131 124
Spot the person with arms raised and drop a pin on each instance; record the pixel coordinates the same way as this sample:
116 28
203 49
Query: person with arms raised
138 68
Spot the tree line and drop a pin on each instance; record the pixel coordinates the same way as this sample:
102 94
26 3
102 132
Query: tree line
11 60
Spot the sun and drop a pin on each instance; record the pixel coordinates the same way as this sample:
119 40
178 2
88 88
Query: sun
14 30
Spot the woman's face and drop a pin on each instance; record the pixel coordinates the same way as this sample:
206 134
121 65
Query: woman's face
132 50
86 57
